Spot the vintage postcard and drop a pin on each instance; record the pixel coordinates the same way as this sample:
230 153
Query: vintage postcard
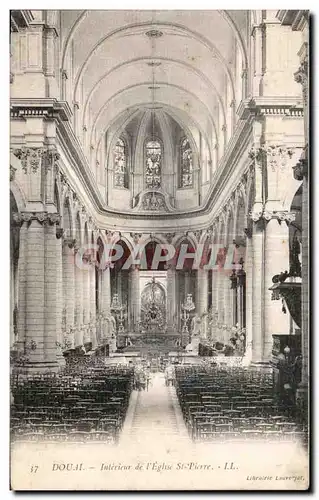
159 250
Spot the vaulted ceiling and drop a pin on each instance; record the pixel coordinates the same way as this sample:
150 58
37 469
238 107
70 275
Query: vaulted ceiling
184 62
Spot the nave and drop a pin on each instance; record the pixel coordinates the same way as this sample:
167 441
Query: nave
200 402
148 221
211 417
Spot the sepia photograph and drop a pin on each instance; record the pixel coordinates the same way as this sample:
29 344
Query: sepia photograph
159 250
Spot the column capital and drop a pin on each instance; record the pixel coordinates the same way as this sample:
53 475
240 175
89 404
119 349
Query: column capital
276 155
41 217
31 157
280 215
267 215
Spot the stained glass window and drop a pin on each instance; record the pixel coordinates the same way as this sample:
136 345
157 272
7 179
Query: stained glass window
120 165
186 164
153 165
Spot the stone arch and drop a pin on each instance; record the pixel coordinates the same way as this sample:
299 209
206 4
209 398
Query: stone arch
183 238
127 251
125 239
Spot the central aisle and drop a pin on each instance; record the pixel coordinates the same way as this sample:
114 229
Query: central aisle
154 417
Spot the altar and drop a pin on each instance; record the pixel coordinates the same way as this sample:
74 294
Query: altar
153 308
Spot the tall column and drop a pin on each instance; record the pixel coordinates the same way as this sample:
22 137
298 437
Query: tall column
35 293
78 274
12 301
276 261
220 296
179 297
171 296
257 47
134 298
214 312
93 305
301 173
202 291
202 298
234 290
68 271
258 258
106 292
60 296
52 292
227 305
41 290
22 267
302 393
86 302
119 285
249 299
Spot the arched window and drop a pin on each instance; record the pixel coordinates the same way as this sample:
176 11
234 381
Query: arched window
186 164
120 165
153 164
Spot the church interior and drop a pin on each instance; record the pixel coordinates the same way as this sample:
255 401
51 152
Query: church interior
159 225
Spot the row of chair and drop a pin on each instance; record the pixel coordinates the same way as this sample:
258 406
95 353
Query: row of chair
79 404
234 404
